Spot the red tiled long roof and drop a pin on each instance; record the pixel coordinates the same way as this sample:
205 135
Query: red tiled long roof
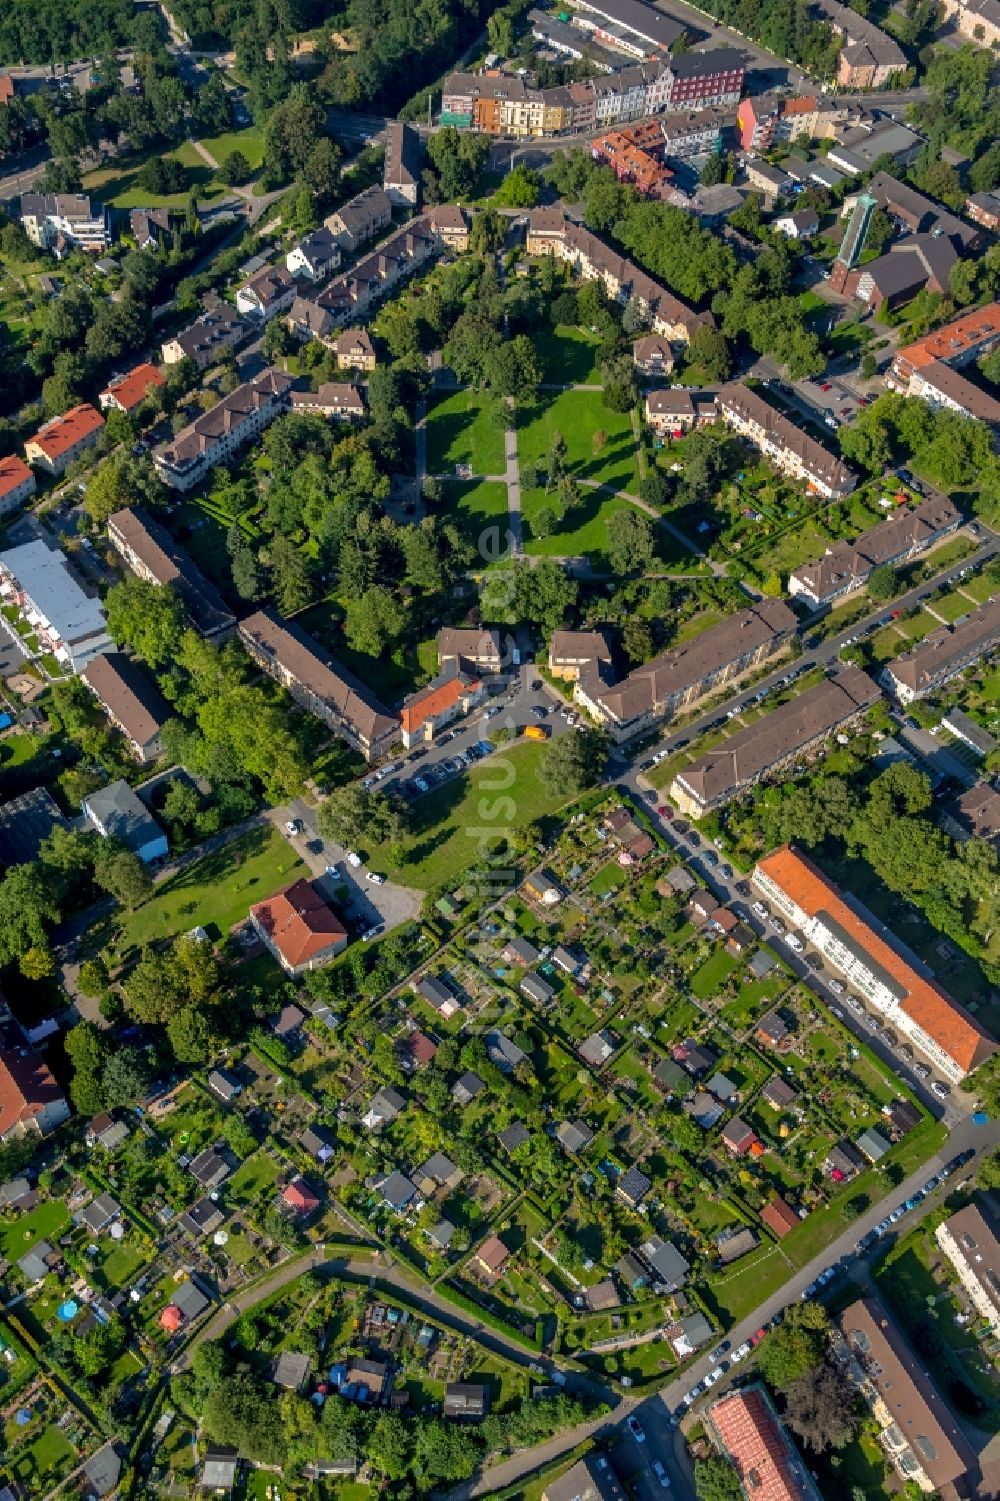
298 922
755 1442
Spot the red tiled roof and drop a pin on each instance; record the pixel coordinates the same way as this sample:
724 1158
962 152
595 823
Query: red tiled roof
779 1216
432 702
754 1440
13 472
299 1195
492 1253
59 435
941 1018
134 387
298 922
171 1319
421 1048
954 339
26 1087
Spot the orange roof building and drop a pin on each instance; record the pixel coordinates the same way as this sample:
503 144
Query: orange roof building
171 1319
30 1098
747 1430
448 696
872 963
59 442
966 338
779 1217
131 390
299 928
17 482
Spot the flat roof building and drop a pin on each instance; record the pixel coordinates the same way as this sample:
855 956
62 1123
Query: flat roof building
68 620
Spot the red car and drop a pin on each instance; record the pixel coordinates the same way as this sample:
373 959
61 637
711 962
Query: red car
755 1339
825 386
845 411
665 812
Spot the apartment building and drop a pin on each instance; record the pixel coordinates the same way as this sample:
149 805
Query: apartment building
946 389
131 702
354 350
699 80
868 57
31 1101
149 227
209 338
571 652
314 680
944 653
360 219
847 566
635 156
764 120
61 222
871 960
356 293
218 435
314 257
984 209
450 696
62 439
653 356
682 677
788 448
696 133
970 1243
777 741
468 649
126 393
770 181
958 343
673 413
403 157
978 20
450 224
269 291
17 483
920 1438
38 581
152 554
342 402
551 233
747 1430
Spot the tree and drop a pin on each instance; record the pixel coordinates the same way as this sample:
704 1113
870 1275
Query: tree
28 906
149 617
709 351
714 170
234 169
92 977
126 1077
630 541
574 761
820 1407
795 1347
544 522
290 575
87 1051
124 876
519 189
715 1479
374 620
353 814
39 963
389 1446
882 582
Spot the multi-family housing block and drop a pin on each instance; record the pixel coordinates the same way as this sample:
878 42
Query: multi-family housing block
449 223
550 232
127 392
451 694
676 680
984 209
930 368
873 963
17 482
846 566
65 221
354 294
635 155
341 402
765 120
152 554
132 703
789 449
269 291
944 653
979 20
401 170
31 1101
217 435
360 219
39 583
673 413
868 57
62 439
631 26
969 1240
694 134
319 684
779 739
315 256
920 1438
209 338
748 1431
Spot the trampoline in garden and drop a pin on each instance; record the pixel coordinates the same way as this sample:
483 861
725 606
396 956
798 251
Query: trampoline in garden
23 1417
67 1311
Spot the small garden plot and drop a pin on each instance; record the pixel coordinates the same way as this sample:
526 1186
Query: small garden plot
678 1021
631 1073
42 1460
609 878
709 978
753 1000
116 1263
252 1178
733 1294
194 1123
638 1363
46 1222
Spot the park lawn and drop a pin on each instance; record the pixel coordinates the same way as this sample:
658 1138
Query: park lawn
567 356
47 1222
461 430
479 510
583 533
249 141
951 606
217 890
118 185
459 824
578 415
979 587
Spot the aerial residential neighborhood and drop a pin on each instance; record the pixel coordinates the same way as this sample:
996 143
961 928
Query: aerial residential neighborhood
499 751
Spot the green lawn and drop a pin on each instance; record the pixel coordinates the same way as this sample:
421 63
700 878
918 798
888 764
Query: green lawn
472 818
706 981
567 356
479 510
249 141
256 1173
47 1222
583 533
461 430
216 891
118 184
578 415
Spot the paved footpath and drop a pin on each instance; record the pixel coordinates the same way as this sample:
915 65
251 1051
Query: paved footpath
513 479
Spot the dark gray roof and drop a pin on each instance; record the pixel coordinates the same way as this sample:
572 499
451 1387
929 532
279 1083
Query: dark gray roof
123 816
103 1470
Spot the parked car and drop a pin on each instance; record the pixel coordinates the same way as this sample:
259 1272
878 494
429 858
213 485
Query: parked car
375 879
661 1474
836 986
921 1072
795 943
719 1351
636 1429
741 1352
294 826
760 909
941 1089
353 859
